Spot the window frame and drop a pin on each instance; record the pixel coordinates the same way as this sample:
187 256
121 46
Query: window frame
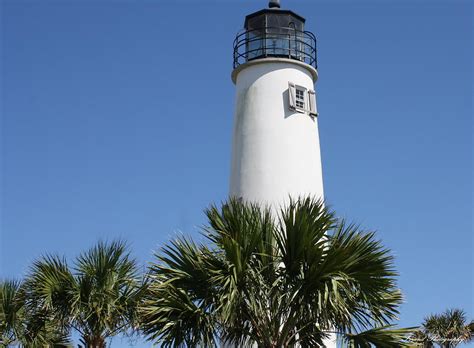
309 99
300 98
293 100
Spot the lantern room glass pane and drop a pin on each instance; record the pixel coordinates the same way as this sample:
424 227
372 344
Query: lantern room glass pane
255 44
277 44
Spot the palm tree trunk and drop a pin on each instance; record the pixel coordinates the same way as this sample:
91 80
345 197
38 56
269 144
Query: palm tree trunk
94 342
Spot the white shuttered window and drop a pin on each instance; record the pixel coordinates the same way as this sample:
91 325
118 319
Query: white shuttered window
297 97
302 100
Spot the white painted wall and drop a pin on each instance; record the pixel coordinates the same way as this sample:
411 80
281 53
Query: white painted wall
275 151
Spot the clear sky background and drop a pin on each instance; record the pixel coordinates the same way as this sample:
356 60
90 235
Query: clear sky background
117 115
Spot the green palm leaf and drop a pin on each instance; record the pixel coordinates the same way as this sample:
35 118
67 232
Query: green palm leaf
272 282
385 336
98 297
448 329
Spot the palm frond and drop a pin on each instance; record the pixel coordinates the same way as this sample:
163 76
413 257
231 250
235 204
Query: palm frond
172 317
362 258
448 327
107 293
98 298
49 288
272 282
11 311
177 307
225 232
385 336
24 324
301 234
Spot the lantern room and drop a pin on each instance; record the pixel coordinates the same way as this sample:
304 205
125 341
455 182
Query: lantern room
274 32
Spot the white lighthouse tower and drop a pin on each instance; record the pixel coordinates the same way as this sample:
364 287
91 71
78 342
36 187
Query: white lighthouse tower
275 149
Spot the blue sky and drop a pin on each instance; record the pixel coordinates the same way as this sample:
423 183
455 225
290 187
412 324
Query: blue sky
117 115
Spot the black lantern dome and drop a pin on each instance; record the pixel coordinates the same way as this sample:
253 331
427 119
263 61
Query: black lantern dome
274 32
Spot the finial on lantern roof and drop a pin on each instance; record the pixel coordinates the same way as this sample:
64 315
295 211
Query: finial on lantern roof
274 4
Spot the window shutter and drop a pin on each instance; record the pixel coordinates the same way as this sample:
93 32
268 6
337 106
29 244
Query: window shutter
313 111
291 96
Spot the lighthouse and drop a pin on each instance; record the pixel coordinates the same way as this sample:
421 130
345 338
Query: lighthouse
275 147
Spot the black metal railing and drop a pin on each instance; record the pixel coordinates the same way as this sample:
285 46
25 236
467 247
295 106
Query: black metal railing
275 42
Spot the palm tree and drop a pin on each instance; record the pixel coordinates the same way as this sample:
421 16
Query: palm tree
274 283
420 339
11 312
447 330
21 325
98 297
